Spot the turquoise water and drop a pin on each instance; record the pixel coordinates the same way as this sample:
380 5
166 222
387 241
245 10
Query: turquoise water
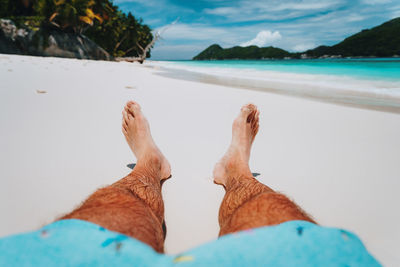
377 68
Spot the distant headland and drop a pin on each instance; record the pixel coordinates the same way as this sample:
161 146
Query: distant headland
380 41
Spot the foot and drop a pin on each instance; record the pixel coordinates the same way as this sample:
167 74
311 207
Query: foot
137 134
236 159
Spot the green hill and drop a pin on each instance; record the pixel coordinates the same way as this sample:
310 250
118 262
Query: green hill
250 52
380 41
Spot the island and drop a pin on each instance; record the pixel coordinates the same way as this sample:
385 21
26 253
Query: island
380 41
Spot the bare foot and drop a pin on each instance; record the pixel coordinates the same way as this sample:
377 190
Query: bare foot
236 159
137 133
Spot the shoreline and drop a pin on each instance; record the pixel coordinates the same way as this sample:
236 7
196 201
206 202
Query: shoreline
324 93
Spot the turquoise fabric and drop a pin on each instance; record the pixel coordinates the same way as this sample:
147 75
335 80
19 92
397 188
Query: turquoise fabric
80 243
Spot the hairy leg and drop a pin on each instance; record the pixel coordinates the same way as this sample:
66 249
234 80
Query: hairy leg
133 205
247 202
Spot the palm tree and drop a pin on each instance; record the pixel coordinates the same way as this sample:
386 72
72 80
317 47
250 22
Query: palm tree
73 15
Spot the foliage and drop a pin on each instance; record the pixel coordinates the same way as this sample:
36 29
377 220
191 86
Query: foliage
212 52
380 41
118 33
68 15
250 52
121 34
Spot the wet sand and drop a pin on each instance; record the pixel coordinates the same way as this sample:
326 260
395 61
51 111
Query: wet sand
299 85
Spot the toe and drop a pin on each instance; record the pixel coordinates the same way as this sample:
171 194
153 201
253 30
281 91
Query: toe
125 116
127 109
135 109
252 116
255 131
130 118
247 109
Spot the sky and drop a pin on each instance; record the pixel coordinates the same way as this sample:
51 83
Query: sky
294 25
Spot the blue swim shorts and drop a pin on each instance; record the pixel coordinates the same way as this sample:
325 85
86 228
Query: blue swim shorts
80 243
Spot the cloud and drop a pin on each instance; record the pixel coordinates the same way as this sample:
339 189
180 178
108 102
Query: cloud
304 24
250 10
395 12
376 2
303 47
221 11
199 32
263 38
355 17
306 6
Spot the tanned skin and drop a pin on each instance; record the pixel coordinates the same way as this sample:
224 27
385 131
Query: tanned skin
133 206
247 202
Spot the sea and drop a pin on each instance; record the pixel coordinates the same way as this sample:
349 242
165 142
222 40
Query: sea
366 82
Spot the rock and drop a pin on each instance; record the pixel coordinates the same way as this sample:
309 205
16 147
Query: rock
48 42
304 56
7 37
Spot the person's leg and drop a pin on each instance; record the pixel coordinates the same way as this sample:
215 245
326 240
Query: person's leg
133 205
247 202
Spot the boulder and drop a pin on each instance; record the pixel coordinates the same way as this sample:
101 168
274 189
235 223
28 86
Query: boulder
48 42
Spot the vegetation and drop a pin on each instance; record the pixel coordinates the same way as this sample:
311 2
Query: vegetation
251 52
381 41
121 35
118 33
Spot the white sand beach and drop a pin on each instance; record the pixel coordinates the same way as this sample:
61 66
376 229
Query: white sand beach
61 139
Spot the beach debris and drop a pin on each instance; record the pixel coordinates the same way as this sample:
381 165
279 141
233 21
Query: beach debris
255 174
183 259
41 92
131 165
142 56
130 87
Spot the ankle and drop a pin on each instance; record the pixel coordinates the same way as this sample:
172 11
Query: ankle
235 182
151 162
237 168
